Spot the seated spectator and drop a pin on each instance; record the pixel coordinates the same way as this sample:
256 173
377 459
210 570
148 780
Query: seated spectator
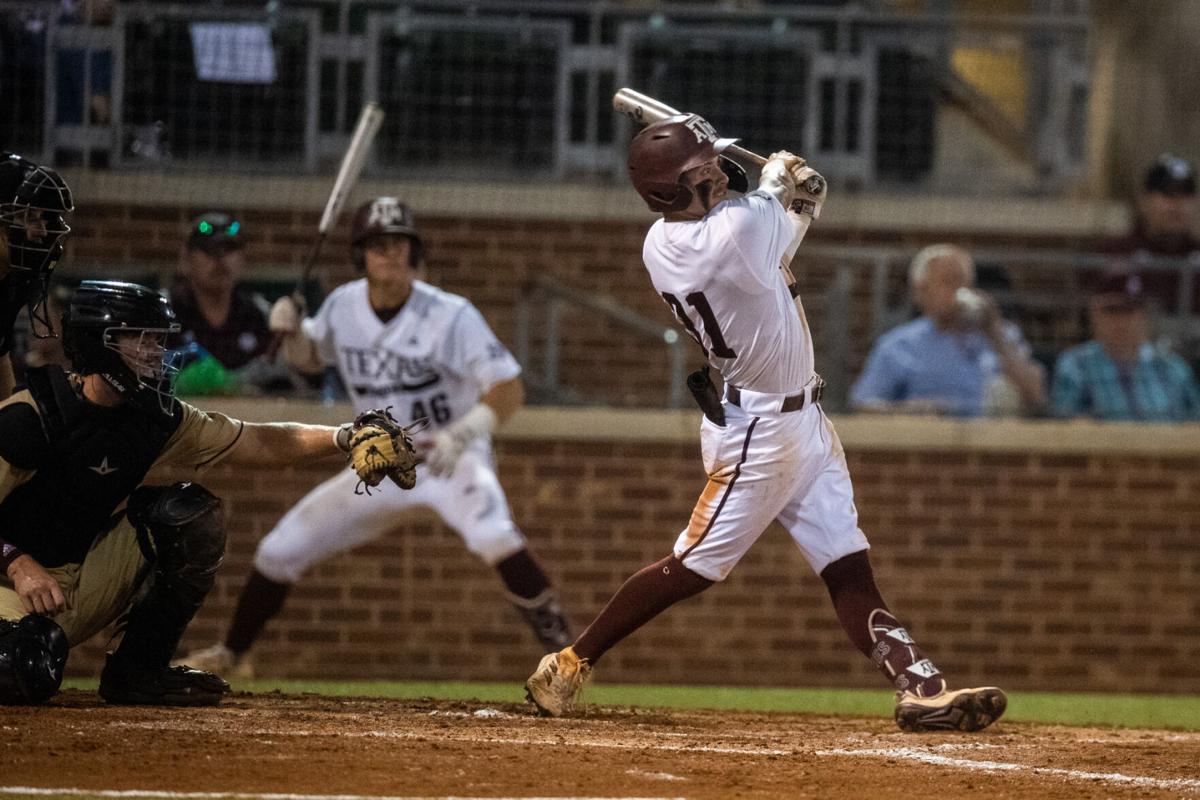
1119 374
1163 227
224 326
959 357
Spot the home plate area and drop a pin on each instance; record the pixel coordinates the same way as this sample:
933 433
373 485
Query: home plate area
303 747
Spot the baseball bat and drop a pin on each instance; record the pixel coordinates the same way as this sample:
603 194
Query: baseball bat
369 120
644 110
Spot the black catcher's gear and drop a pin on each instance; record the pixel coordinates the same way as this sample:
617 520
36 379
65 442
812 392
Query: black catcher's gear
181 530
661 152
34 202
120 331
385 216
86 460
33 653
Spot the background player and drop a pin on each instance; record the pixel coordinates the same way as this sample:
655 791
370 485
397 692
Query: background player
768 449
34 204
399 342
76 448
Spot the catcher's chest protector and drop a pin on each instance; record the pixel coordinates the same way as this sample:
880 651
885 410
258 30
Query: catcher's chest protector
94 458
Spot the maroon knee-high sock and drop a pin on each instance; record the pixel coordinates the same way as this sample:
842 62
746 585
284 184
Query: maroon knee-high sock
872 628
536 600
260 600
640 599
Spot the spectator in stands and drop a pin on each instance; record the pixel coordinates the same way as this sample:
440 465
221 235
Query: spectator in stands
224 326
1119 374
960 357
1163 227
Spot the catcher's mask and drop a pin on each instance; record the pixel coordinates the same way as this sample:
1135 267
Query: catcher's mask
384 216
121 331
661 152
34 202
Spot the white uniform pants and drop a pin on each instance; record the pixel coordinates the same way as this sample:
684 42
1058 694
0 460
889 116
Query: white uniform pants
787 466
331 519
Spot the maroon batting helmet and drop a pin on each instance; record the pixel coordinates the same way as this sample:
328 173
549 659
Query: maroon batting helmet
385 216
661 152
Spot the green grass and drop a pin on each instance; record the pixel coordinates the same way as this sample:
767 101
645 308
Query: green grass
1128 711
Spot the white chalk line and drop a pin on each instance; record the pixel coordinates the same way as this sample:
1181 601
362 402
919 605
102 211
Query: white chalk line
37 791
926 757
552 738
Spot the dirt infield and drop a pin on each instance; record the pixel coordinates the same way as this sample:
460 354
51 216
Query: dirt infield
257 745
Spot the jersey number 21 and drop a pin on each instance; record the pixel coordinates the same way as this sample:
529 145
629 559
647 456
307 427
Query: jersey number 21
708 319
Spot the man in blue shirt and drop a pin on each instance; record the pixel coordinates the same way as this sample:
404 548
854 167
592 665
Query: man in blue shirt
960 357
1119 374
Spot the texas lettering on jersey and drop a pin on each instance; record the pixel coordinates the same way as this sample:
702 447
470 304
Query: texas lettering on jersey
431 361
382 372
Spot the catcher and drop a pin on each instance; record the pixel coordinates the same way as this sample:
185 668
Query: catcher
90 537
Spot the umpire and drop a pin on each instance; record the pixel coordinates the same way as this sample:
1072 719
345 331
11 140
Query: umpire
85 541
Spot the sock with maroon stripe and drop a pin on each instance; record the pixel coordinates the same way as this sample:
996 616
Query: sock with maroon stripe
874 631
640 599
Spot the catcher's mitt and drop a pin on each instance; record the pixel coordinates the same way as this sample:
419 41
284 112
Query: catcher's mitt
380 446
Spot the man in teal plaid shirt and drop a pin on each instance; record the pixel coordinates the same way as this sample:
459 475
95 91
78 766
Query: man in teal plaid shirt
1120 374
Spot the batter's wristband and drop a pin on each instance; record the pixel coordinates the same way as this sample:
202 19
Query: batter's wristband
8 554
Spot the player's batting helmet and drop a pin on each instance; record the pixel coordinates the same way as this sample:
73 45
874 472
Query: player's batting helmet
385 216
661 152
98 330
34 202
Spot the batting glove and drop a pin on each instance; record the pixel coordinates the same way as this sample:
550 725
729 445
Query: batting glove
446 446
285 316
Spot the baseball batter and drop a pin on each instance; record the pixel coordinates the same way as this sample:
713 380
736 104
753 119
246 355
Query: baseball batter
399 342
770 453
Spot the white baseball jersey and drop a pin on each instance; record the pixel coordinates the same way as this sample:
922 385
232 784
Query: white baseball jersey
434 359
721 276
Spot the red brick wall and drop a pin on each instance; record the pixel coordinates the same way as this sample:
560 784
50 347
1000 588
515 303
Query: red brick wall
489 260
1038 572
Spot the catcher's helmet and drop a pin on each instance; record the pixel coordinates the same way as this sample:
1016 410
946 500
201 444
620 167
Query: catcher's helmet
120 331
34 202
661 152
385 216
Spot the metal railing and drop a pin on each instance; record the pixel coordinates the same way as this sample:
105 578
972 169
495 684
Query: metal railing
519 88
539 315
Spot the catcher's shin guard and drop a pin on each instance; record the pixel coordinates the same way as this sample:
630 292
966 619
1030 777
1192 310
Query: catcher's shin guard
546 619
181 530
33 653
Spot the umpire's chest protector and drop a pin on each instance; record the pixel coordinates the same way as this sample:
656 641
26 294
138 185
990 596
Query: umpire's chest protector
92 459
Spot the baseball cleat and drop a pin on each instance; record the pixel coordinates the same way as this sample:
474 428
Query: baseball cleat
556 683
961 710
218 659
131 685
